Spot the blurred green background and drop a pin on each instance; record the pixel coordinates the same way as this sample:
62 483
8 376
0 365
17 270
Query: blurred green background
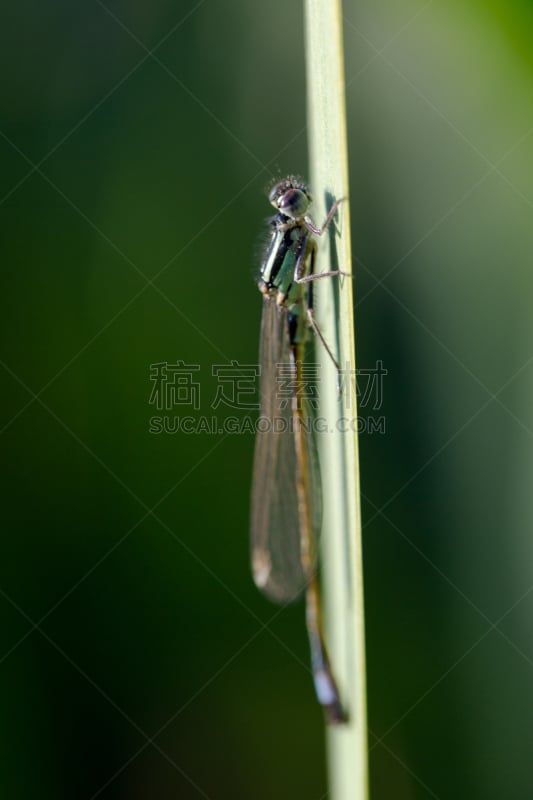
136 141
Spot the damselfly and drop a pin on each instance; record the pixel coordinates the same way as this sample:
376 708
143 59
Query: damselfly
286 493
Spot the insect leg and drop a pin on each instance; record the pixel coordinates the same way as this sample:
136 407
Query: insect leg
310 225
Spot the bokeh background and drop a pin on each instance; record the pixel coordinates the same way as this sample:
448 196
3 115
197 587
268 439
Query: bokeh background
137 658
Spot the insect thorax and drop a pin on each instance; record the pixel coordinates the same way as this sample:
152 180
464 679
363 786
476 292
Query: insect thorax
287 247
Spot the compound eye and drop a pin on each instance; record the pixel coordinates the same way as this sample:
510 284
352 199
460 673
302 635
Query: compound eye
276 191
293 203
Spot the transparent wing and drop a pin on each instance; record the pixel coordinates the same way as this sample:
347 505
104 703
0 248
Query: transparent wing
275 522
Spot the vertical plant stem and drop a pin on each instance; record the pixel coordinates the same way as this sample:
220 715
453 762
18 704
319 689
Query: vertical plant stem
342 577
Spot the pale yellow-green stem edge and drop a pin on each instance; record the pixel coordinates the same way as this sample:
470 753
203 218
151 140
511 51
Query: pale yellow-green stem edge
341 574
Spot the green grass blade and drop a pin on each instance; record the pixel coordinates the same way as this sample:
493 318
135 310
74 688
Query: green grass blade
342 578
